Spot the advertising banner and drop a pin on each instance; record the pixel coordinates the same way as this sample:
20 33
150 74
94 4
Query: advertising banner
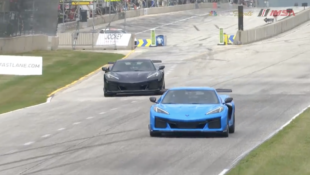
118 39
20 65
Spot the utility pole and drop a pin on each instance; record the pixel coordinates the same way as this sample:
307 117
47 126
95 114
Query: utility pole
125 16
63 11
93 18
109 12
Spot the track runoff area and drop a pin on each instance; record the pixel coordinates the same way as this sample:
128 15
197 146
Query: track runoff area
124 148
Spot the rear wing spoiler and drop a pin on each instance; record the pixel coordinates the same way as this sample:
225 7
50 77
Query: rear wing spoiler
223 90
156 61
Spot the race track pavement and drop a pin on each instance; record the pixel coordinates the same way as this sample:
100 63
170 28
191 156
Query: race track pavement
80 132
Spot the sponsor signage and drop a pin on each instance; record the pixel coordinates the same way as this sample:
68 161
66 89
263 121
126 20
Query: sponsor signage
20 65
118 39
81 3
265 12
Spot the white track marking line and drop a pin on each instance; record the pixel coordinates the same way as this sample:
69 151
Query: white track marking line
76 123
49 100
113 109
89 118
223 172
28 143
102 113
267 138
60 129
46 135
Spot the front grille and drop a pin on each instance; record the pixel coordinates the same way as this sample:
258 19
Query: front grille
160 123
187 125
137 86
212 124
113 86
153 85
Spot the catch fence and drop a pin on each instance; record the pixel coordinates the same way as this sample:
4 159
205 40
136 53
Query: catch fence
28 17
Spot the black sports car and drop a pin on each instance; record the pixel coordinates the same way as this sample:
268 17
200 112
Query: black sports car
134 76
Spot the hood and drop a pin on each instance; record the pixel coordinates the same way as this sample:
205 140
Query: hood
132 76
194 111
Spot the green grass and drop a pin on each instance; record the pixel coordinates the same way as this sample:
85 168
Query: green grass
60 68
287 153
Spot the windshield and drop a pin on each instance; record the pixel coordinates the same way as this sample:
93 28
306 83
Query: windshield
128 66
190 97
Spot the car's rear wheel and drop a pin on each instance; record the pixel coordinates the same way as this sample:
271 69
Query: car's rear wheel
155 134
232 128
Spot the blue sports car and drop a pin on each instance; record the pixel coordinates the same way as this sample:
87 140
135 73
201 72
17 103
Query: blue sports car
192 109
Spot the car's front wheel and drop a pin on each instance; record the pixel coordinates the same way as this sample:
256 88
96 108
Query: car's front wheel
226 133
232 127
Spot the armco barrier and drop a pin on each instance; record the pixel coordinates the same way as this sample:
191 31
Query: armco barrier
23 44
65 27
271 30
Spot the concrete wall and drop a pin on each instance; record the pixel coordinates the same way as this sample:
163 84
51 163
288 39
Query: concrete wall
273 29
23 44
87 41
66 27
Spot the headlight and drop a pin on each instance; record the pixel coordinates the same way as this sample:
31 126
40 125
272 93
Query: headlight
153 75
110 76
160 110
217 110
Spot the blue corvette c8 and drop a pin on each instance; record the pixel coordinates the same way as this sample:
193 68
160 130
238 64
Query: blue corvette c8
192 109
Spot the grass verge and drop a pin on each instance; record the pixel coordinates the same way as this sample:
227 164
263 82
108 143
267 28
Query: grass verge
287 153
60 68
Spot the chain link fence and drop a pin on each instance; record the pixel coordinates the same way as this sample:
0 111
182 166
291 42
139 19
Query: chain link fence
28 17
69 11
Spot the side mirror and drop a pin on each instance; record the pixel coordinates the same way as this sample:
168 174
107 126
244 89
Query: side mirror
161 67
153 99
105 69
228 100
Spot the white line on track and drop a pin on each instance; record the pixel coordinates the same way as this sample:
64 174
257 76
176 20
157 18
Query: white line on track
49 100
102 113
28 143
113 109
76 123
60 129
46 135
133 101
89 118
267 138
223 172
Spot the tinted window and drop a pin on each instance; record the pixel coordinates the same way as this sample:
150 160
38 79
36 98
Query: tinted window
125 66
190 97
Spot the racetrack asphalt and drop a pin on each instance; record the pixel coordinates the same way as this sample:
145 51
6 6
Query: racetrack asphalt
81 132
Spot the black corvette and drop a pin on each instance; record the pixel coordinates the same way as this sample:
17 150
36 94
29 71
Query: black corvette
133 76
